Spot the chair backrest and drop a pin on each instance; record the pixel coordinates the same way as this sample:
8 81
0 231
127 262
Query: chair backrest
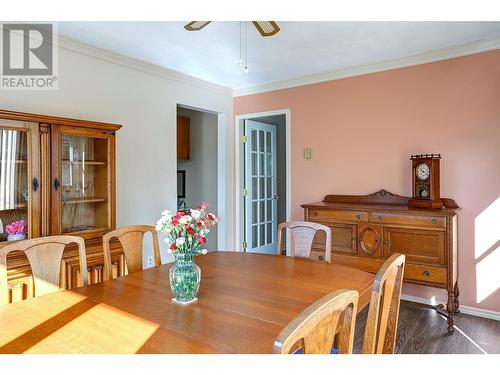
301 238
44 255
314 328
131 239
382 322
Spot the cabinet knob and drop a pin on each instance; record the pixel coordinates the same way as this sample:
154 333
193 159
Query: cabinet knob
380 217
321 257
434 220
426 273
386 242
358 216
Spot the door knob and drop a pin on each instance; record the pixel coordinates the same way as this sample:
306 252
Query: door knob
275 196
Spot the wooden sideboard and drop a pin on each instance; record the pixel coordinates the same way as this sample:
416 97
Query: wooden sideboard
58 175
366 230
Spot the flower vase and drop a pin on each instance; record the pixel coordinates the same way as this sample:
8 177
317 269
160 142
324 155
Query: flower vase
185 276
16 237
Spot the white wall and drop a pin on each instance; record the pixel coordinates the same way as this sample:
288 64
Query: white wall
201 168
97 85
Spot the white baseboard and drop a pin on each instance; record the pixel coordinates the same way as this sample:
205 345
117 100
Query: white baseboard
483 313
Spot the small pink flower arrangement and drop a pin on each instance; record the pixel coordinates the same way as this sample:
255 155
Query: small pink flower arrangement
187 232
16 227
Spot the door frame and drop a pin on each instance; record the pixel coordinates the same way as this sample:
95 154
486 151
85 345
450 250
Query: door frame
221 168
239 157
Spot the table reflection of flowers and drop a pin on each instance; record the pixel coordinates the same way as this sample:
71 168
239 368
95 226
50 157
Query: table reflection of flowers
16 230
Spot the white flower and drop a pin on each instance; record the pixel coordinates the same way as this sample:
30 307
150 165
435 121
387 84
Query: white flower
185 219
167 241
204 251
180 241
195 214
166 213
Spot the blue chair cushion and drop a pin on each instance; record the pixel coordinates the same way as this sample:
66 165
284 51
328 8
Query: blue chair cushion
301 351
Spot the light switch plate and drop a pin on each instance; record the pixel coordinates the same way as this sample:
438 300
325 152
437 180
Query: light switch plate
307 153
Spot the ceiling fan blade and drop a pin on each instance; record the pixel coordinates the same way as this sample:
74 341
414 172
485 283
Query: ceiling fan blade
196 25
266 28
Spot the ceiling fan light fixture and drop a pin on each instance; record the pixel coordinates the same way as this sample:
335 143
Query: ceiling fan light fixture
266 28
196 25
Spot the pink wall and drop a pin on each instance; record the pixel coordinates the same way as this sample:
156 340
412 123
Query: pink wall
362 131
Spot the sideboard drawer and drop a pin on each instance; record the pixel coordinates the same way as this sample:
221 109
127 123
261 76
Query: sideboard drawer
418 220
342 215
418 245
427 274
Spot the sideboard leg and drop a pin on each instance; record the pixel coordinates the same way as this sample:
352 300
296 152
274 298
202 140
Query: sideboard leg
456 292
450 307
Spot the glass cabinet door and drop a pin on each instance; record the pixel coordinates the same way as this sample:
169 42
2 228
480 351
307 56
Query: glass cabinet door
83 186
18 184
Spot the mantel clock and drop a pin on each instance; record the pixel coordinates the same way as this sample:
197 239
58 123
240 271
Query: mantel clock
425 181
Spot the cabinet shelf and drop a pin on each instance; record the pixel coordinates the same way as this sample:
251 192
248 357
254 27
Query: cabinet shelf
19 161
84 200
87 162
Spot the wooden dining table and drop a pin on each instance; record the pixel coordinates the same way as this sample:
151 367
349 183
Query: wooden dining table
244 301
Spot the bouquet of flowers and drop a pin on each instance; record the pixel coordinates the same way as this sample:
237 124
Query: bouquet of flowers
186 231
16 227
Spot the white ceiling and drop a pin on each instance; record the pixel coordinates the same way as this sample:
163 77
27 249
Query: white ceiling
299 49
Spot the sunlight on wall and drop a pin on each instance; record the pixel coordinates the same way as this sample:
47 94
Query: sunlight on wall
487 228
488 275
487 244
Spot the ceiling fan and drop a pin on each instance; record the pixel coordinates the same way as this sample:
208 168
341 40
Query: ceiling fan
265 28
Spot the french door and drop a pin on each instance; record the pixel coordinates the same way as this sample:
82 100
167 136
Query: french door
261 189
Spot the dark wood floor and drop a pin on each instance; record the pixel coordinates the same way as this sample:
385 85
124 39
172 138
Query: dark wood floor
423 331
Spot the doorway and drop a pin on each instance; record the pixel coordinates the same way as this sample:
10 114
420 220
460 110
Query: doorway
197 163
263 179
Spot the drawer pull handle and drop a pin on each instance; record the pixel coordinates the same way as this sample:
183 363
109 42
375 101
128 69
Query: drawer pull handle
426 273
434 220
386 242
358 216
380 217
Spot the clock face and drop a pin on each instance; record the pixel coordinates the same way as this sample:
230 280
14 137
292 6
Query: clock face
422 171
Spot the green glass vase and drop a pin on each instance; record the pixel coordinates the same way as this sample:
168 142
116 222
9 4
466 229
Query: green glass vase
185 277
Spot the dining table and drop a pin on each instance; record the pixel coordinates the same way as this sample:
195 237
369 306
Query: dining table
244 301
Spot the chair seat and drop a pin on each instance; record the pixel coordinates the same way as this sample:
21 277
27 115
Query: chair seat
301 351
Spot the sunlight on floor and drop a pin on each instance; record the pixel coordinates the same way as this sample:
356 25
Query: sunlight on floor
467 337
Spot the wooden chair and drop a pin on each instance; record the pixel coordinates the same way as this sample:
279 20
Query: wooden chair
315 327
301 238
44 255
382 322
131 239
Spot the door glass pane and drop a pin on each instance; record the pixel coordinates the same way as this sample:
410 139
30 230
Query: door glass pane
84 182
261 141
261 187
262 171
269 187
254 212
269 164
254 164
254 187
269 233
254 236
254 140
268 141
262 207
14 188
269 210
262 235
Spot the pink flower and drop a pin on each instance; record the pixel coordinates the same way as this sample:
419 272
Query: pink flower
204 204
190 231
201 239
173 247
16 227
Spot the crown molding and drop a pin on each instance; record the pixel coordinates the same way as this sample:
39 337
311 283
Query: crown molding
138 65
437 55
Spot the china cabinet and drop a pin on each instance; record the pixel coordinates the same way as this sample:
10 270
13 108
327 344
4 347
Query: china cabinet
58 176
